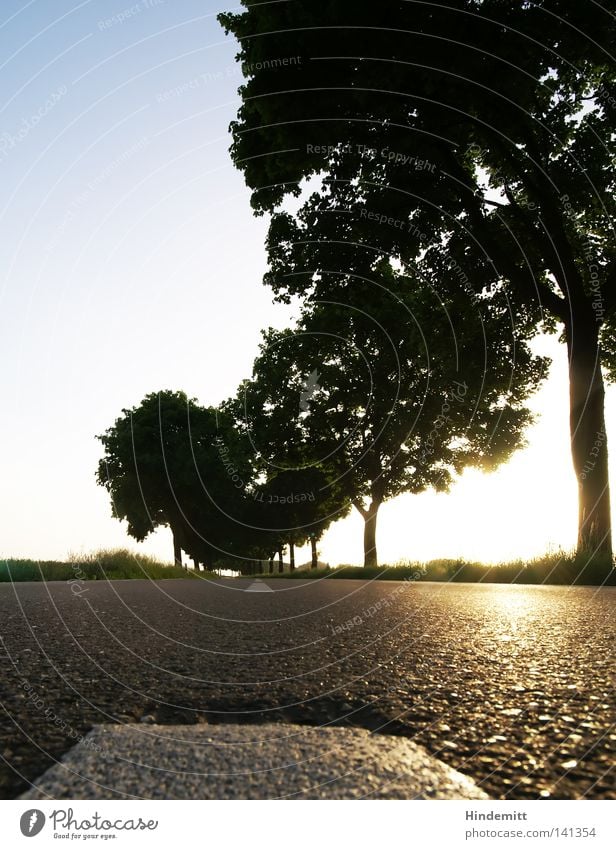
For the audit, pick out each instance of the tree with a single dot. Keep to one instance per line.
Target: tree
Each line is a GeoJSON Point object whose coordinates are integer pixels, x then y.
{"type": "Point", "coordinates": [297, 505]}
{"type": "Point", "coordinates": [390, 391]}
{"type": "Point", "coordinates": [288, 503]}
{"type": "Point", "coordinates": [169, 462]}
{"type": "Point", "coordinates": [469, 140]}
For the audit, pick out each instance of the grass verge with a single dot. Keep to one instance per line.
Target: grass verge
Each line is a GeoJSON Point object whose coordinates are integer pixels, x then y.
{"type": "Point", "coordinates": [562, 569]}
{"type": "Point", "coordinates": [119, 564]}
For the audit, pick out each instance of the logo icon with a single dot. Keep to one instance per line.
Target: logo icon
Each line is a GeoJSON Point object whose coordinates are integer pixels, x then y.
{"type": "Point", "coordinates": [309, 387]}
{"type": "Point", "coordinates": [32, 822]}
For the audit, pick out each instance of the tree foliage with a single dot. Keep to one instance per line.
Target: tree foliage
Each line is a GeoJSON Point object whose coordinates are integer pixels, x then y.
{"type": "Point", "coordinates": [390, 391]}
{"type": "Point", "coordinates": [169, 462]}
{"type": "Point", "coordinates": [470, 143]}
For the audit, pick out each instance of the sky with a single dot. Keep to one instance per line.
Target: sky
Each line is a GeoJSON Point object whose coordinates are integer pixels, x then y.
{"type": "Point", "coordinates": [130, 262]}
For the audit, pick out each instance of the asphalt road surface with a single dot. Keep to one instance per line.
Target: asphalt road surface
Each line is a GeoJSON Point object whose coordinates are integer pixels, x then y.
{"type": "Point", "coordinates": [513, 686]}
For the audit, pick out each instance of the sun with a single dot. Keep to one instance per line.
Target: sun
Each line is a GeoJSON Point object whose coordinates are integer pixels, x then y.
{"type": "Point", "coordinates": [526, 508]}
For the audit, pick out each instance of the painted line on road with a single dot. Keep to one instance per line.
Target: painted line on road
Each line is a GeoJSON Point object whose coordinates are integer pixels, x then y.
{"type": "Point", "coordinates": [261, 761]}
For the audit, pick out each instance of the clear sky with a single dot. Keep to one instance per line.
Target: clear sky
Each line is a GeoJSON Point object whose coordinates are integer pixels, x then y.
{"type": "Point", "coordinates": [131, 262]}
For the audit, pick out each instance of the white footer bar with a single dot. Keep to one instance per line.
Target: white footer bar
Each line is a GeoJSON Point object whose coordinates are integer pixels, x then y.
{"type": "Point", "coordinates": [308, 824]}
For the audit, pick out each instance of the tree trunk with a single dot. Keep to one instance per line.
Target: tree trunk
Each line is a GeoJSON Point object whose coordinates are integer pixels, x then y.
{"type": "Point", "coordinates": [588, 437]}
{"type": "Point", "coordinates": [313, 547]}
{"type": "Point", "coordinates": [291, 556]}
{"type": "Point", "coordinates": [177, 550]}
{"type": "Point", "coordinates": [370, 556]}
{"type": "Point", "coordinates": [369, 516]}
{"type": "Point", "coordinates": [280, 562]}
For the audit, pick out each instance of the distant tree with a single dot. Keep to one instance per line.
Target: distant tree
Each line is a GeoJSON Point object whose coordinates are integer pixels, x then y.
{"type": "Point", "coordinates": [472, 141]}
{"type": "Point", "coordinates": [297, 505]}
{"type": "Point", "coordinates": [169, 462]}
{"type": "Point", "coordinates": [390, 391]}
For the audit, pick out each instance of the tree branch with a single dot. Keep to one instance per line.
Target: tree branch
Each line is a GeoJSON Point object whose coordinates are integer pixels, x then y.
{"type": "Point", "coordinates": [360, 508]}
{"type": "Point", "coordinates": [472, 203]}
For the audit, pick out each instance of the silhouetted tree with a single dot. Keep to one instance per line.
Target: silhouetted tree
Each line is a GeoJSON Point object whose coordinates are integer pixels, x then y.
{"type": "Point", "coordinates": [390, 391]}
{"type": "Point", "coordinates": [471, 141]}
{"type": "Point", "coordinates": [169, 462]}
{"type": "Point", "coordinates": [297, 505]}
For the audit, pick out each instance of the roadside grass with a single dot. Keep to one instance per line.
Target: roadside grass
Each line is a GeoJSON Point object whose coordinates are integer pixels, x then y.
{"type": "Point", "coordinates": [561, 568]}
{"type": "Point", "coordinates": [106, 564]}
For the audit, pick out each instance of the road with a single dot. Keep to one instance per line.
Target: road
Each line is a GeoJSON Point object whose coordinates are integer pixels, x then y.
{"type": "Point", "coordinates": [513, 686]}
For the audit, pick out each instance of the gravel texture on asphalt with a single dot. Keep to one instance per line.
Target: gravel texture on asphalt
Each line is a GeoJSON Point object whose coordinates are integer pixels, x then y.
{"type": "Point", "coordinates": [265, 761]}
{"type": "Point", "coordinates": [513, 686]}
